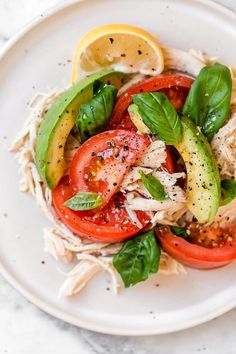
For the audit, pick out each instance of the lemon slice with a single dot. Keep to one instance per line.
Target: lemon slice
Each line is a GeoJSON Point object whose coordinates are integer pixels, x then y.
{"type": "Point", "coordinates": [120, 47]}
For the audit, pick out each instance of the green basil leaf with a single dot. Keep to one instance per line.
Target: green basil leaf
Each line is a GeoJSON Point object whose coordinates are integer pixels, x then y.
{"type": "Point", "coordinates": [138, 258]}
{"type": "Point", "coordinates": [153, 186]}
{"type": "Point", "coordinates": [84, 201]}
{"type": "Point", "coordinates": [228, 191]}
{"type": "Point", "coordinates": [98, 85]}
{"type": "Point", "coordinates": [94, 114]}
{"type": "Point", "coordinates": [179, 231]}
{"type": "Point", "coordinates": [160, 116]}
{"type": "Point", "coordinates": [208, 101]}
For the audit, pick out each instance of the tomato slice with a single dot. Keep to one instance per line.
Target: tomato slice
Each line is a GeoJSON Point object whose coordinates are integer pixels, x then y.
{"type": "Point", "coordinates": [177, 96]}
{"type": "Point", "coordinates": [125, 123]}
{"type": "Point", "coordinates": [100, 164]}
{"type": "Point", "coordinates": [169, 164]}
{"type": "Point", "coordinates": [111, 224]}
{"type": "Point", "coordinates": [196, 256]}
{"type": "Point", "coordinates": [176, 87]}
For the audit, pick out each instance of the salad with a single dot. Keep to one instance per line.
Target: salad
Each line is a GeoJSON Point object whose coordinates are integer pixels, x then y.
{"type": "Point", "coordinates": [135, 162]}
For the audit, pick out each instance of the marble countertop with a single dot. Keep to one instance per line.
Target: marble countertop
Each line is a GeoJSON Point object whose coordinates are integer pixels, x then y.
{"type": "Point", "coordinates": [24, 329]}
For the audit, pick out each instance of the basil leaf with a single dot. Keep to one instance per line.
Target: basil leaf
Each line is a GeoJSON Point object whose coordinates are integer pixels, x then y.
{"type": "Point", "coordinates": [153, 186]}
{"type": "Point", "coordinates": [84, 201]}
{"type": "Point", "coordinates": [138, 258]}
{"type": "Point", "coordinates": [179, 231]}
{"type": "Point", "coordinates": [94, 114]}
{"type": "Point", "coordinates": [208, 101]}
{"type": "Point", "coordinates": [98, 85]}
{"type": "Point", "coordinates": [228, 191]}
{"type": "Point", "coordinates": [160, 116]}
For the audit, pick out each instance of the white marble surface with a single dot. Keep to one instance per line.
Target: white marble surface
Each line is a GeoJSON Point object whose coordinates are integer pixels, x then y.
{"type": "Point", "coordinates": [24, 329]}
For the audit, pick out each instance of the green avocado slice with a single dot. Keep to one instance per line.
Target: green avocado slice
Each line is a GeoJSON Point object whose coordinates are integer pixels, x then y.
{"type": "Point", "coordinates": [58, 122]}
{"type": "Point", "coordinates": [203, 180]}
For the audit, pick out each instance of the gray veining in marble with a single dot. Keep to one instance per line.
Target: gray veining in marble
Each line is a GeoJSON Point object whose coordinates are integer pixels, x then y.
{"type": "Point", "coordinates": [24, 329]}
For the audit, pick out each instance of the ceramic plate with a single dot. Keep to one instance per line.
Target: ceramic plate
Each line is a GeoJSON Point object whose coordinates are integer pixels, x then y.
{"type": "Point", "coordinates": [39, 57]}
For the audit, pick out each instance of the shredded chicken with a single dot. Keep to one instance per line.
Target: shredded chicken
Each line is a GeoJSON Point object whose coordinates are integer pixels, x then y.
{"type": "Point", "coordinates": [89, 266]}
{"type": "Point", "coordinates": [181, 61]}
{"type": "Point", "coordinates": [133, 176]}
{"type": "Point", "coordinates": [133, 216]}
{"type": "Point", "coordinates": [224, 147]}
{"type": "Point", "coordinates": [226, 214]}
{"type": "Point", "coordinates": [169, 266]}
{"type": "Point", "coordinates": [154, 155]}
{"type": "Point", "coordinates": [138, 198]}
{"type": "Point", "coordinates": [168, 179]}
{"type": "Point", "coordinates": [136, 202]}
{"type": "Point", "coordinates": [170, 216]}
{"type": "Point", "coordinates": [23, 146]}
{"type": "Point", "coordinates": [203, 57]}
{"type": "Point", "coordinates": [169, 211]}
{"type": "Point", "coordinates": [56, 245]}
{"type": "Point", "coordinates": [78, 277]}
{"type": "Point", "coordinates": [132, 180]}
{"type": "Point", "coordinates": [63, 248]}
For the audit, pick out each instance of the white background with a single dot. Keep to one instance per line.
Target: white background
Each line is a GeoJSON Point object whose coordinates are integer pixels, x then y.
{"type": "Point", "coordinates": [24, 329]}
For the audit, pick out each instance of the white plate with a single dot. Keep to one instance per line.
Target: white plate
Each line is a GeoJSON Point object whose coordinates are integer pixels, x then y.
{"type": "Point", "coordinates": [37, 58]}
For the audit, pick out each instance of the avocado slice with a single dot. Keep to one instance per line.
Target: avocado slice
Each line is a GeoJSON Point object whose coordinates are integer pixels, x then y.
{"type": "Point", "coordinates": [203, 180]}
{"type": "Point", "coordinates": [137, 119]}
{"type": "Point", "coordinates": [60, 119]}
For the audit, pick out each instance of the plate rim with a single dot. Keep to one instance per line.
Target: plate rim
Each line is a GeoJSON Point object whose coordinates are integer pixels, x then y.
{"type": "Point", "coordinates": [36, 300]}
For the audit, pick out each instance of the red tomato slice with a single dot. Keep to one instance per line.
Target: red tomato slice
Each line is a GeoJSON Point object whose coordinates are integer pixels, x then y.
{"type": "Point", "coordinates": [177, 96]}
{"type": "Point", "coordinates": [126, 123]}
{"type": "Point", "coordinates": [111, 224]}
{"type": "Point", "coordinates": [169, 164]}
{"type": "Point", "coordinates": [196, 256]}
{"type": "Point", "coordinates": [176, 88]}
{"type": "Point", "coordinates": [100, 164]}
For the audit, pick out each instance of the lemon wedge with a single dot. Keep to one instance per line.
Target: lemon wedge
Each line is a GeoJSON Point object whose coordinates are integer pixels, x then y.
{"type": "Point", "coordinates": [117, 46]}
